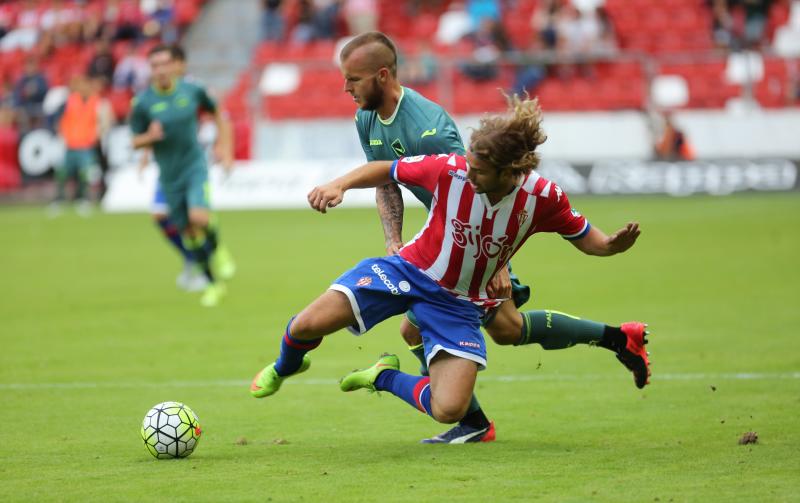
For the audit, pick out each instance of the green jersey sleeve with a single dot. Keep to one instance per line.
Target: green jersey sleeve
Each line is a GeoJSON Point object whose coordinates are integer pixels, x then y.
{"type": "Point", "coordinates": [139, 120]}
{"type": "Point", "coordinates": [446, 140]}
{"type": "Point", "coordinates": [204, 100]}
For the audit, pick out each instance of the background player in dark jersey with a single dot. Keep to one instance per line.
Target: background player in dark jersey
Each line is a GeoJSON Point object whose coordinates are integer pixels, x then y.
{"type": "Point", "coordinates": [395, 121]}
{"type": "Point", "coordinates": [164, 117]}
{"type": "Point", "coordinates": [191, 277]}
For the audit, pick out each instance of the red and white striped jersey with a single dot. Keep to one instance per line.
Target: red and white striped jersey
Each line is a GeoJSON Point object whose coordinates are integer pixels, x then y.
{"type": "Point", "coordinates": [466, 240]}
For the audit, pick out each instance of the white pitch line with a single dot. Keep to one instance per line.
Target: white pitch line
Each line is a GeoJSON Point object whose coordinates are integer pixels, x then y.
{"type": "Point", "coordinates": [230, 383]}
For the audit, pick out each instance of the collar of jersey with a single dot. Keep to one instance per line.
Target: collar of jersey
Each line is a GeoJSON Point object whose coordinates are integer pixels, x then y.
{"type": "Point", "coordinates": [389, 121]}
{"type": "Point", "coordinates": [490, 210]}
{"type": "Point", "coordinates": [169, 91]}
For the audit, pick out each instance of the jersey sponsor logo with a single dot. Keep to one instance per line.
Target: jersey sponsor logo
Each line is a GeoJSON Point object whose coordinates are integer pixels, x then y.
{"type": "Point", "coordinates": [413, 158]}
{"type": "Point", "coordinates": [375, 143]}
{"type": "Point", "coordinates": [457, 176]}
{"type": "Point", "coordinates": [429, 132]}
{"type": "Point", "coordinates": [485, 246]}
{"type": "Point", "coordinates": [398, 148]}
{"type": "Point", "coordinates": [182, 101]}
{"type": "Point", "coordinates": [385, 279]}
{"type": "Point", "coordinates": [364, 281]}
{"type": "Point", "coordinates": [469, 344]}
{"type": "Point", "coordinates": [158, 107]}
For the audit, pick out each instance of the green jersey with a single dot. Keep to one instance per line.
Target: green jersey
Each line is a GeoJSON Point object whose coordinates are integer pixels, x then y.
{"type": "Point", "coordinates": [417, 127]}
{"type": "Point", "coordinates": [179, 153]}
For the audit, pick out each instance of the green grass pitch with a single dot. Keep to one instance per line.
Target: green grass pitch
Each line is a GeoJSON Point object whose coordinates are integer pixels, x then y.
{"type": "Point", "coordinates": [94, 333]}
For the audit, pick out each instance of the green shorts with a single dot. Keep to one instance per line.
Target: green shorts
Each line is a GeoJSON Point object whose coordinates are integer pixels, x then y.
{"type": "Point", "coordinates": [520, 294]}
{"type": "Point", "coordinates": [195, 194]}
{"type": "Point", "coordinates": [78, 162]}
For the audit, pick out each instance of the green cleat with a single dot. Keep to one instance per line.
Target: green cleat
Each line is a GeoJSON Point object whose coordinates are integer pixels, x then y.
{"type": "Point", "coordinates": [268, 382]}
{"type": "Point", "coordinates": [213, 295]}
{"type": "Point", "coordinates": [222, 263]}
{"type": "Point", "coordinates": [365, 378]}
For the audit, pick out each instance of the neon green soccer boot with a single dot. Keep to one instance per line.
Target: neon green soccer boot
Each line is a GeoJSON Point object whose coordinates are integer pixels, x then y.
{"type": "Point", "coordinates": [365, 378]}
{"type": "Point", "coordinates": [268, 382]}
{"type": "Point", "coordinates": [213, 294]}
{"type": "Point", "coordinates": [222, 263]}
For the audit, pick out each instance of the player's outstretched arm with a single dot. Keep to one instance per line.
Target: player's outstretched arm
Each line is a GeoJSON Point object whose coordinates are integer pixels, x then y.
{"type": "Point", "coordinates": [597, 243]}
{"type": "Point", "coordinates": [390, 208]}
{"type": "Point", "coordinates": [372, 174]}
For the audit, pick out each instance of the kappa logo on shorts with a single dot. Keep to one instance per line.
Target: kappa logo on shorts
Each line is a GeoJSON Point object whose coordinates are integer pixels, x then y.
{"type": "Point", "coordinates": [469, 344]}
{"type": "Point", "coordinates": [364, 281]}
{"type": "Point", "coordinates": [386, 281]}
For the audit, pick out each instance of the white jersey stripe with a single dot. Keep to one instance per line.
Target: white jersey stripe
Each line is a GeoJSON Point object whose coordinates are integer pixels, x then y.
{"type": "Point", "coordinates": [439, 267]}
{"type": "Point", "coordinates": [471, 249]}
{"type": "Point", "coordinates": [501, 220]}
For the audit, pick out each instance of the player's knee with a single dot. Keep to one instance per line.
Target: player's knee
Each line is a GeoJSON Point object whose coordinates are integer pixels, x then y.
{"type": "Point", "coordinates": [410, 333]}
{"type": "Point", "coordinates": [448, 411]}
{"type": "Point", "coordinates": [305, 324]}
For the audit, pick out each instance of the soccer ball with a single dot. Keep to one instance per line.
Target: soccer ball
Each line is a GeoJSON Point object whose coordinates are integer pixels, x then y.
{"type": "Point", "coordinates": [171, 430]}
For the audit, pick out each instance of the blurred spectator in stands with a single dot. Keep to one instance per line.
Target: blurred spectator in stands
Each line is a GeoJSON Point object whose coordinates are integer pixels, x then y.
{"type": "Point", "coordinates": [6, 95]}
{"type": "Point", "coordinates": [454, 24]}
{"type": "Point", "coordinates": [582, 37]}
{"type": "Point", "coordinates": [132, 72]}
{"type": "Point", "coordinates": [6, 19]}
{"type": "Point", "coordinates": [126, 17]}
{"type": "Point", "coordinates": [272, 22]}
{"type": "Point", "coordinates": [489, 43]}
{"type": "Point", "coordinates": [419, 69]}
{"type": "Point", "coordinates": [722, 25]}
{"type": "Point", "coordinates": [25, 32]}
{"type": "Point", "coordinates": [102, 63]}
{"type": "Point", "coordinates": [544, 24]}
{"type": "Point", "coordinates": [673, 144]}
{"type": "Point", "coordinates": [29, 93]}
{"type": "Point", "coordinates": [756, 13]}
{"type": "Point", "coordinates": [79, 127]}
{"type": "Point", "coordinates": [326, 17]}
{"type": "Point", "coordinates": [160, 21]}
{"type": "Point", "coordinates": [62, 20]}
{"type": "Point", "coordinates": [479, 10]}
{"type": "Point", "coordinates": [303, 31]}
{"type": "Point", "coordinates": [361, 15]}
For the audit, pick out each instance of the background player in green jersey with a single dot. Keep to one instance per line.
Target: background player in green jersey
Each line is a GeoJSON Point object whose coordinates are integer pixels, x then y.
{"type": "Point", "coordinates": [394, 121]}
{"type": "Point", "coordinates": [164, 118]}
{"type": "Point", "coordinates": [191, 278]}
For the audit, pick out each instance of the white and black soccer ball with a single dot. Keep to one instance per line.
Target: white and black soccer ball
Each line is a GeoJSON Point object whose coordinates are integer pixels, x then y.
{"type": "Point", "coordinates": [171, 430]}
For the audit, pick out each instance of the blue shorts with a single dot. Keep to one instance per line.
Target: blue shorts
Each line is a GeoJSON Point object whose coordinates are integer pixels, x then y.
{"type": "Point", "coordinates": [159, 201]}
{"type": "Point", "coordinates": [379, 288]}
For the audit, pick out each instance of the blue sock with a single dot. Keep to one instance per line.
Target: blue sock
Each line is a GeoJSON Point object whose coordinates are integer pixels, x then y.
{"type": "Point", "coordinates": [414, 390]}
{"type": "Point", "coordinates": [173, 235]}
{"type": "Point", "coordinates": [292, 352]}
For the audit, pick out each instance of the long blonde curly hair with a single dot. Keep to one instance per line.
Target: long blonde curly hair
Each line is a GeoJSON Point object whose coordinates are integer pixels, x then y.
{"type": "Point", "coordinates": [509, 140]}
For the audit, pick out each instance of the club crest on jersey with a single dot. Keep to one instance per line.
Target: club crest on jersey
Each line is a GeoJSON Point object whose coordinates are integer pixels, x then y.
{"type": "Point", "coordinates": [398, 148]}
{"type": "Point", "coordinates": [522, 216]}
{"type": "Point", "coordinates": [364, 281]}
{"type": "Point", "coordinates": [487, 246]}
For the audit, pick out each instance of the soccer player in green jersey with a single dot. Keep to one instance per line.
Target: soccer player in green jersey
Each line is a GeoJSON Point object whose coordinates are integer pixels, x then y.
{"type": "Point", "coordinates": [393, 122]}
{"type": "Point", "coordinates": [164, 118]}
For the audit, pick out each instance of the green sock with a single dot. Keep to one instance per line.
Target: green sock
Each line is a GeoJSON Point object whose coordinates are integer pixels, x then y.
{"type": "Point", "coordinates": [555, 330]}
{"type": "Point", "coordinates": [419, 352]}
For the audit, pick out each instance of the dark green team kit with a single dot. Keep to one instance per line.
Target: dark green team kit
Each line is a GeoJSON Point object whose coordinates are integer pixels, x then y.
{"type": "Point", "coordinates": [418, 127]}
{"type": "Point", "coordinates": [184, 171]}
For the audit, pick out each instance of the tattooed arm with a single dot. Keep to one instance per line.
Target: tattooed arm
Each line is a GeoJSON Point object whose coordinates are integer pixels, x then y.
{"type": "Point", "coordinates": [390, 209]}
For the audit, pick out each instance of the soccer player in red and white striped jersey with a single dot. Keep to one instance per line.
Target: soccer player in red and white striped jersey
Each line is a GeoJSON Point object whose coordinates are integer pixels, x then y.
{"type": "Point", "coordinates": [486, 205]}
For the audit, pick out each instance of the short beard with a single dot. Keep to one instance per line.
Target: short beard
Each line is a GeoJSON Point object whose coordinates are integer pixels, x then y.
{"type": "Point", "coordinates": [374, 99]}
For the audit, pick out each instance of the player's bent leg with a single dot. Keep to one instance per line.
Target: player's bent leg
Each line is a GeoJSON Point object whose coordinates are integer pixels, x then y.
{"type": "Point", "coordinates": [452, 383]}
{"type": "Point", "coordinates": [505, 325]}
{"type": "Point", "coordinates": [327, 314]}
